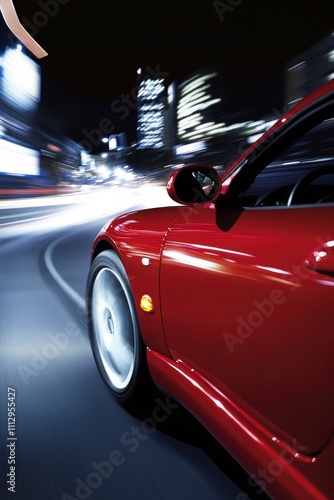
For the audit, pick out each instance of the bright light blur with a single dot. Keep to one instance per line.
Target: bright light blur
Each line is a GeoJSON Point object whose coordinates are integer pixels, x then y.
{"type": "Point", "coordinates": [21, 79]}
{"type": "Point", "coordinates": [104, 172]}
{"type": "Point", "coordinates": [196, 118]}
{"type": "Point", "coordinates": [113, 143]}
{"type": "Point", "coordinates": [70, 210]}
{"type": "Point", "coordinates": [18, 160]}
{"type": "Point", "coordinates": [191, 148]}
{"type": "Point", "coordinates": [122, 173]}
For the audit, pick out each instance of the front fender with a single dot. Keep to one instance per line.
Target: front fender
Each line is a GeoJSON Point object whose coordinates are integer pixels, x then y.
{"type": "Point", "coordinates": [138, 238]}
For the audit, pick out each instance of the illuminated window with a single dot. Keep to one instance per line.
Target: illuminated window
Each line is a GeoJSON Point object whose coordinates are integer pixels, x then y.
{"type": "Point", "coordinates": [151, 109]}
{"type": "Point", "coordinates": [199, 108]}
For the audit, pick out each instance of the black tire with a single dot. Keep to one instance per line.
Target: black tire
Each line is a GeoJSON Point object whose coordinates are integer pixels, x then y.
{"type": "Point", "coordinates": [115, 337]}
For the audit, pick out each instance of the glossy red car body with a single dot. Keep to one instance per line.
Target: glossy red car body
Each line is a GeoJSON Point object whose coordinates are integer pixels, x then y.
{"type": "Point", "coordinates": [242, 328]}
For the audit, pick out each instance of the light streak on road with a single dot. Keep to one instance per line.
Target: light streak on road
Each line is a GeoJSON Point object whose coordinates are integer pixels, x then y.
{"type": "Point", "coordinates": [56, 212]}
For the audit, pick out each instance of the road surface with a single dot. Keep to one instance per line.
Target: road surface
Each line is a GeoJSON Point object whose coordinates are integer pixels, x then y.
{"type": "Point", "coordinates": [70, 439]}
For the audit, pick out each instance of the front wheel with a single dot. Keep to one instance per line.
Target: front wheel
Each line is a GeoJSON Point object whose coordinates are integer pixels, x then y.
{"type": "Point", "coordinates": [115, 338]}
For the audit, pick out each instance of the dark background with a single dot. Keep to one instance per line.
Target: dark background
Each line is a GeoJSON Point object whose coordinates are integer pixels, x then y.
{"type": "Point", "coordinates": [95, 48]}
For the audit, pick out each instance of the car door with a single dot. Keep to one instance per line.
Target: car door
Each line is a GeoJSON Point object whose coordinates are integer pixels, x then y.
{"type": "Point", "coordinates": [247, 297]}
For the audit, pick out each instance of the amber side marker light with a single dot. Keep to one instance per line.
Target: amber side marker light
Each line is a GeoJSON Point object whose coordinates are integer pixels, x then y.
{"type": "Point", "coordinates": [146, 304]}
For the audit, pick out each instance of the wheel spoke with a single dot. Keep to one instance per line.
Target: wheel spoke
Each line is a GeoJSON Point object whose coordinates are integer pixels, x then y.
{"type": "Point", "coordinates": [121, 355]}
{"type": "Point", "coordinates": [113, 328]}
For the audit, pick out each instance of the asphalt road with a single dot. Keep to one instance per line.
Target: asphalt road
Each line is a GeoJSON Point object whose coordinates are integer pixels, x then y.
{"type": "Point", "coordinates": [70, 440]}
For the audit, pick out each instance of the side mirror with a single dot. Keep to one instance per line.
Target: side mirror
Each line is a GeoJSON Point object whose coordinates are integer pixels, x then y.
{"type": "Point", "coordinates": [194, 184]}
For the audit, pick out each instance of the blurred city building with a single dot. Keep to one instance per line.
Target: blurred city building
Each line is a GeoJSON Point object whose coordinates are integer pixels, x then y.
{"type": "Point", "coordinates": [33, 151]}
{"type": "Point", "coordinates": [201, 105]}
{"type": "Point", "coordinates": [185, 117]}
{"type": "Point", "coordinates": [309, 70]}
{"type": "Point", "coordinates": [198, 117]}
{"type": "Point", "coordinates": [151, 105]}
{"type": "Point", "coordinates": [188, 120]}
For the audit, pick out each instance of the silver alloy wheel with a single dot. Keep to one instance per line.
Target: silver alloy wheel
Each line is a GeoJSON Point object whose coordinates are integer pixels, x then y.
{"type": "Point", "coordinates": [113, 323]}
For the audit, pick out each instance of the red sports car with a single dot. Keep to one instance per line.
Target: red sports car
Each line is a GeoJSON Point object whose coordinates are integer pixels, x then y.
{"type": "Point", "coordinates": [227, 301]}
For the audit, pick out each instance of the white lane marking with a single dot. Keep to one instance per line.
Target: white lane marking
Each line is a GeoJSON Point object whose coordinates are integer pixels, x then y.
{"type": "Point", "coordinates": [75, 296]}
{"type": "Point", "coordinates": [151, 201]}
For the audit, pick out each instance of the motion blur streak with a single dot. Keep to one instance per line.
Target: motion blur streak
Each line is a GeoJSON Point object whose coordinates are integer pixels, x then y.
{"type": "Point", "coordinates": [56, 212]}
{"type": "Point", "coordinates": [67, 424]}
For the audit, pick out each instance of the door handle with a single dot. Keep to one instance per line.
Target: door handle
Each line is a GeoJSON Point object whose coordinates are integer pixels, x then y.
{"type": "Point", "coordinates": [321, 259]}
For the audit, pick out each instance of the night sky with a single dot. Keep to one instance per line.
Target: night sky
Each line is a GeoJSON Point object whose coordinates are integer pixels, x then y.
{"type": "Point", "coordinates": [96, 46]}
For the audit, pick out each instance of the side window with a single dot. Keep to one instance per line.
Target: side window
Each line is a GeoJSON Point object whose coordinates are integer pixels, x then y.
{"type": "Point", "coordinates": [302, 174]}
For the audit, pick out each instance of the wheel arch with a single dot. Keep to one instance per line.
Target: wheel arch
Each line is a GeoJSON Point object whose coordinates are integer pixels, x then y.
{"type": "Point", "coordinates": [101, 246]}
{"type": "Point", "coordinates": [150, 325]}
